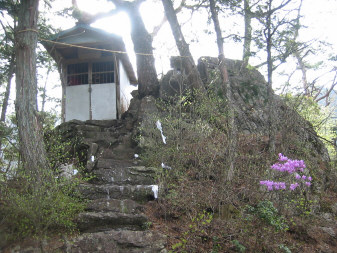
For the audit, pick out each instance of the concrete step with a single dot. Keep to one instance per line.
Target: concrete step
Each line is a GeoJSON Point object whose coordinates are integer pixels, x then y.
{"type": "Point", "coordinates": [133, 175]}
{"type": "Point", "coordinates": [139, 193]}
{"type": "Point", "coordinates": [103, 221]}
{"type": "Point", "coordinates": [118, 241]}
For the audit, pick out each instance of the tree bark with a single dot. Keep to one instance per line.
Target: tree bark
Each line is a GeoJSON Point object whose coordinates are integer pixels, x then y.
{"type": "Point", "coordinates": [232, 130]}
{"type": "Point", "coordinates": [247, 40]}
{"type": "Point", "coordinates": [270, 94]}
{"type": "Point", "coordinates": [303, 69]}
{"type": "Point", "coordinates": [189, 66]}
{"type": "Point", "coordinates": [157, 28]}
{"type": "Point", "coordinates": [146, 71]}
{"type": "Point", "coordinates": [44, 89]}
{"type": "Point", "coordinates": [32, 147]}
{"type": "Point", "coordinates": [10, 75]}
{"type": "Point", "coordinates": [297, 54]}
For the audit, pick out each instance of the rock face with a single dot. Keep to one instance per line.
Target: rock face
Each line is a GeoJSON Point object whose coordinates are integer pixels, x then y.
{"type": "Point", "coordinates": [113, 220]}
{"type": "Point", "coordinates": [249, 90]}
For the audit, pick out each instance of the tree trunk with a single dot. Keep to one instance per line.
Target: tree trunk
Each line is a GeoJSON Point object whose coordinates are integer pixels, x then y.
{"type": "Point", "coordinates": [270, 94]}
{"type": "Point", "coordinates": [32, 148]}
{"type": "Point", "coordinates": [189, 66]}
{"type": "Point", "coordinates": [298, 56]}
{"type": "Point", "coordinates": [303, 69]}
{"type": "Point", "coordinates": [10, 75]}
{"type": "Point", "coordinates": [146, 71]}
{"type": "Point", "coordinates": [232, 131]}
{"type": "Point", "coordinates": [247, 40]}
{"type": "Point", "coordinates": [44, 89]}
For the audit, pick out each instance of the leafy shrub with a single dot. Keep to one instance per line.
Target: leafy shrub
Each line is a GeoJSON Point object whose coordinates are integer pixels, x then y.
{"type": "Point", "coordinates": [318, 116]}
{"type": "Point", "coordinates": [238, 246]}
{"type": "Point", "coordinates": [292, 185]}
{"type": "Point", "coordinates": [284, 248]}
{"type": "Point", "coordinates": [197, 232]}
{"type": "Point", "coordinates": [30, 209]}
{"type": "Point", "coordinates": [266, 211]}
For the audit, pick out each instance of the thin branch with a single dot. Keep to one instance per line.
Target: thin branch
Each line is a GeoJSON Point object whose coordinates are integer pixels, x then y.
{"type": "Point", "coordinates": [157, 28]}
{"type": "Point", "coordinates": [330, 142]}
{"type": "Point", "coordinates": [13, 145]}
{"type": "Point", "coordinates": [327, 94]}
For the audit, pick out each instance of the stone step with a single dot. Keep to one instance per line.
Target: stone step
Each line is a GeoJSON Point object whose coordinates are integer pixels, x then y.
{"type": "Point", "coordinates": [88, 128]}
{"type": "Point", "coordinates": [140, 193]}
{"type": "Point", "coordinates": [118, 241]}
{"type": "Point", "coordinates": [107, 142]}
{"type": "Point", "coordinates": [100, 135]}
{"type": "Point", "coordinates": [103, 221]}
{"type": "Point", "coordinates": [114, 163]}
{"type": "Point", "coordinates": [127, 206]}
{"type": "Point", "coordinates": [115, 152]}
{"type": "Point", "coordinates": [109, 163]}
{"type": "Point", "coordinates": [134, 175]}
{"type": "Point", "coordinates": [104, 123]}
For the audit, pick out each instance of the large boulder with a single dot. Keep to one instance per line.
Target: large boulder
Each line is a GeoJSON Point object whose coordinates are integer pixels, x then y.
{"type": "Point", "coordinates": [249, 90]}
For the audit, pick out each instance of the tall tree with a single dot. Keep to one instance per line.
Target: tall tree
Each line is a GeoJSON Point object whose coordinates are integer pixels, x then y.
{"type": "Point", "coordinates": [247, 38]}
{"type": "Point", "coordinates": [32, 148]}
{"type": "Point", "coordinates": [232, 130]}
{"type": "Point", "coordinates": [302, 50]}
{"type": "Point", "coordinates": [275, 31]}
{"type": "Point", "coordinates": [189, 66]}
{"type": "Point", "coordinates": [7, 52]}
{"type": "Point", "coordinates": [142, 41]}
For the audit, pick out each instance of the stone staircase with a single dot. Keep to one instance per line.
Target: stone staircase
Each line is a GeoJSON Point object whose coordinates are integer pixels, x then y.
{"type": "Point", "coordinates": [114, 220]}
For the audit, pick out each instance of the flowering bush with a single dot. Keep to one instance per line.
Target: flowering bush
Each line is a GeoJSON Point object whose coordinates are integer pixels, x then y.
{"type": "Point", "coordinates": [292, 167]}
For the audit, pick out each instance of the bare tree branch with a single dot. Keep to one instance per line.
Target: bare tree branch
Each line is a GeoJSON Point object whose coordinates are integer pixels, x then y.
{"type": "Point", "coordinates": [157, 28]}
{"type": "Point", "coordinates": [327, 94]}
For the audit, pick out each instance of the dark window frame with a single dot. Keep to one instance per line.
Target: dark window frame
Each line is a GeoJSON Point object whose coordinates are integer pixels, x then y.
{"type": "Point", "coordinates": [98, 72]}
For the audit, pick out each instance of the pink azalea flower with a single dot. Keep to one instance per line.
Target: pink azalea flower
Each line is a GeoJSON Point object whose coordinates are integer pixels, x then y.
{"type": "Point", "coordinates": [292, 187]}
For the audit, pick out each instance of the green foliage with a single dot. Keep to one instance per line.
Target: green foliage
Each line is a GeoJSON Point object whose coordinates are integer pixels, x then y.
{"type": "Point", "coordinates": [238, 246]}
{"type": "Point", "coordinates": [48, 120]}
{"type": "Point", "coordinates": [9, 147]}
{"type": "Point", "coordinates": [197, 232]}
{"type": "Point", "coordinates": [266, 211]}
{"type": "Point", "coordinates": [31, 209]}
{"type": "Point", "coordinates": [319, 117]}
{"type": "Point", "coordinates": [63, 150]}
{"type": "Point", "coordinates": [302, 205]}
{"type": "Point", "coordinates": [147, 225]}
{"type": "Point", "coordinates": [284, 248]}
